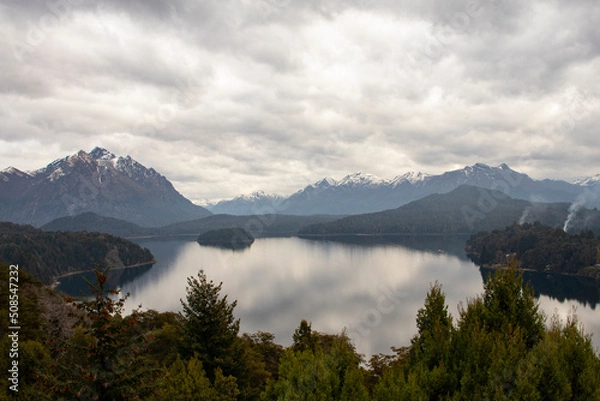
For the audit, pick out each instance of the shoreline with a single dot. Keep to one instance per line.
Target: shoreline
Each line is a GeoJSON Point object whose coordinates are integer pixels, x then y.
{"type": "Point", "coordinates": [549, 272]}
{"type": "Point", "coordinates": [56, 282]}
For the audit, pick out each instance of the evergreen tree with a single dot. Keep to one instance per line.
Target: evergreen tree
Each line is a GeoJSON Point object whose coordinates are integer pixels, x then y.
{"type": "Point", "coordinates": [427, 376]}
{"type": "Point", "coordinates": [508, 304]}
{"type": "Point", "coordinates": [210, 326]}
{"type": "Point", "coordinates": [434, 325]}
{"type": "Point", "coordinates": [329, 372]}
{"type": "Point", "coordinates": [303, 337]}
{"type": "Point", "coordinates": [188, 382]}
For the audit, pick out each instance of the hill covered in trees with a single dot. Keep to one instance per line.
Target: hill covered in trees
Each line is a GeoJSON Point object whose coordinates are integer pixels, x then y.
{"type": "Point", "coordinates": [257, 225]}
{"type": "Point", "coordinates": [538, 247]}
{"type": "Point", "coordinates": [47, 255]}
{"type": "Point", "coordinates": [233, 238]}
{"type": "Point", "coordinates": [465, 210]}
{"type": "Point", "coordinates": [95, 223]}
{"type": "Point", "coordinates": [501, 347]}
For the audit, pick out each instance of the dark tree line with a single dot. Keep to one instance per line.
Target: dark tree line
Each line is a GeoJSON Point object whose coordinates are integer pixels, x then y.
{"type": "Point", "coordinates": [49, 254]}
{"type": "Point", "coordinates": [537, 247]}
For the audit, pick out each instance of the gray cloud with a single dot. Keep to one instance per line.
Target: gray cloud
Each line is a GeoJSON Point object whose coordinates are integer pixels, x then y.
{"type": "Point", "coordinates": [233, 96]}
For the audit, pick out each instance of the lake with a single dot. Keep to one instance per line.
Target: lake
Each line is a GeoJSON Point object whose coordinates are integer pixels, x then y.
{"type": "Point", "coordinates": [370, 286]}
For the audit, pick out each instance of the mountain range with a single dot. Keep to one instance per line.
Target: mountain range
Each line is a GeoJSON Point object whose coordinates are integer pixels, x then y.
{"type": "Point", "coordinates": [122, 188]}
{"type": "Point", "coordinates": [97, 182]}
{"type": "Point", "coordinates": [364, 193]}
{"type": "Point", "coordinates": [465, 210]}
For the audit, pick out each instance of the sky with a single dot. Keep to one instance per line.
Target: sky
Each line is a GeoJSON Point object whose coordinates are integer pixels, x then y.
{"type": "Point", "coordinates": [227, 97]}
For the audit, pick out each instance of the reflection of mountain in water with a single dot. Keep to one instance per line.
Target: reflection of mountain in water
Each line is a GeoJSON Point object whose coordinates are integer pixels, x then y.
{"type": "Point", "coordinates": [560, 287]}
{"type": "Point", "coordinates": [449, 244]}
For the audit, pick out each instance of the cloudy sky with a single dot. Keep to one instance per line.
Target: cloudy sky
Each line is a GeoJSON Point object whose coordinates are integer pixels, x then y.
{"type": "Point", "coordinates": [231, 96]}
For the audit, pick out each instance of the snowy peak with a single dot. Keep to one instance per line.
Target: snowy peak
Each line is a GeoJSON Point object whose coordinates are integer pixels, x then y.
{"type": "Point", "coordinates": [256, 196]}
{"type": "Point", "coordinates": [97, 182]}
{"type": "Point", "coordinates": [477, 167]}
{"type": "Point", "coordinates": [14, 171]}
{"type": "Point", "coordinates": [588, 181]}
{"type": "Point", "coordinates": [325, 183]}
{"type": "Point", "coordinates": [255, 203]}
{"type": "Point", "coordinates": [411, 177]}
{"type": "Point", "coordinates": [360, 180]}
{"type": "Point", "coordinates": [101, 162]}
{"type": "Point", "coordinates": [101, 154]}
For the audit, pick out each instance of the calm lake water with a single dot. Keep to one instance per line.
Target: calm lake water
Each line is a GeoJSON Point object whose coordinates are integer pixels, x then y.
{"type": "Point", "coordinates": [371, 287]}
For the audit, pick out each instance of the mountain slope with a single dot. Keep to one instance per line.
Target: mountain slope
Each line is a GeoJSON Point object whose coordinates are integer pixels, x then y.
{"type": "Point", "coordinates": [255, 203]}
{"type": "Point", "coordinates": [364, 193]}
{"type": "Point", "coordinates": [258, 225]}
{"type": "Point", "coordinates": [98, 182]}
{"type": "Point", "coordinates": [92, 222]}
{"type": "Point", "coordinates": [467, 209]}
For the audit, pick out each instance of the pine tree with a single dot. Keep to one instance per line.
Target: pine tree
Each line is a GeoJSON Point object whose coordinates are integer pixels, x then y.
{"type": "Point", "coordinates": [210, 326]}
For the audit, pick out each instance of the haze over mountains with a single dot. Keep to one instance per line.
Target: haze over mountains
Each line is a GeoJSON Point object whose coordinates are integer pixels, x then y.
{"type": "Point", "coordinates": [119, 187]}
{"type": "Point", "coordinates": [464, 210]}
{"type": "Point", "coordinates": [364, 193]}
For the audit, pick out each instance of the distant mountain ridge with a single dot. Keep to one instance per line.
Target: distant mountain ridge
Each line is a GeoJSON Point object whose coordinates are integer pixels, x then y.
{"type": "Point", "coordinates": [360, 193]}
{"type": "Point", "coordinates": [258, 225]}
{"type": "Point", "coordinates": [465, 210]}
{"type": "Point", "coordinates": [98, 182]}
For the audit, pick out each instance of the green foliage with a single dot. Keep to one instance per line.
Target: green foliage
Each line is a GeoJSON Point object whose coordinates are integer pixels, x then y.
{"type": "Point", "coordinates": [210, 327]}
{"type": "Point", "coordinates": [188, 382]}
{"type": "Point", "coordinates": [303, 337]}
{"type": "Point", "coordinates": [459, 211]}
{"type": "Point", "coordinates": [499, 349]}
{"type": "Point", "coordinates": [328, 371]}
{"type": "Point", "coordinates": [508, 305]}
{"type": "Point", "coordinates": [537, 247]}
{"type": "Point", "coordinates": [264, 344]}
{"type": "Point", "coordinates": [114, 367]}
{"type": "Point", "coordinates": [434, 324]}
{"type": "Point", "coordinates": [48, 255]}
{"type": "Point", "coordinates": [233, 238]}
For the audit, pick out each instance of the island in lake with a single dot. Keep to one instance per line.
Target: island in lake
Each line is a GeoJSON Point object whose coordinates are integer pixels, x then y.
{"type": "Point", "coordinates": [231, 238]}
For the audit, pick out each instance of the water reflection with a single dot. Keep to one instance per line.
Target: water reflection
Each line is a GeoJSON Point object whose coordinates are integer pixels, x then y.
{"type": "Point", "coordinates": [451, 244]}
{"type": "Point", "coordinates": [78, 285]}
{"type": "Point", "coordinates": [560, 287]}
{"type": "Point", "coordinates": [372, 289]}
{"type": "Point", "coordinates": [165, 251]}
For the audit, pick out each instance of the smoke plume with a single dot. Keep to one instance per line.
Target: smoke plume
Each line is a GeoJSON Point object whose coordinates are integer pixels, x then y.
{"type": "Point", "coordinates": [586, 199]}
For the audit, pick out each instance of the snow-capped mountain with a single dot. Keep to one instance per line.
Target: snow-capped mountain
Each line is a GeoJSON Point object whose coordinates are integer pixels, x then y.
{"type": "Point", "coordinates": [255, 203]}
{"type": "Point", "coordinates": [98, 182]}
{"type": "Point", "coordinates": [364, 193]}
{"type": "Point", "coordinates": [412, 177]}
{"type": "Point", "coordinates": [588, 181]}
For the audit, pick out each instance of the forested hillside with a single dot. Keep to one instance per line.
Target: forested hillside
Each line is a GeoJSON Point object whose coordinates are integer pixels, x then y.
{"type": "Point", "coordinates": [465, 210]}
{"type": "Point", "coordinates": [46, 255]}
{"type": "Point", "coordinates": [233, 238]}
{"type": "Point", "coordinates": [537, 247]}
{"type": "Point", "coordinates": [257, 225]}
{"type": "Point", "coordinates": [499, 347]}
